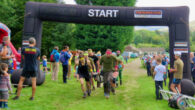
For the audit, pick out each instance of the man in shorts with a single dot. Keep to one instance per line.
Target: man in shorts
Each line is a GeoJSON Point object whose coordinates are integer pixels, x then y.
{"type": "Point", "coordinates": [177, 73]}
{"type": "Point", "coordinates": [30, 56]}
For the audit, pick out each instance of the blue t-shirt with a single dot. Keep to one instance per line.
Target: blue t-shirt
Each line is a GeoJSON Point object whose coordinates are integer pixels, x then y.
{"type": "Point", "coordinates": [30, 58]}
{"type": "Point", "coordinates": [159, 69]}
{"type": "Point", "coordinates": [45, 63]}
{"type": "Point", "coordinates": [154, 63]}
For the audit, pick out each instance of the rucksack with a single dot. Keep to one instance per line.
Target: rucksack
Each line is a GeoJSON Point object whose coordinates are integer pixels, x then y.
{"type": "Point", "coordinates": [52, 59]}
{"type": "Point", "coordinates": [62, 57]}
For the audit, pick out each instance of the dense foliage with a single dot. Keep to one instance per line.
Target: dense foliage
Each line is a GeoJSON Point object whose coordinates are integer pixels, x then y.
{"type": "Point", "coordinates": [146, 38]}
{"type": "Point", "coordinates": [102, 37]}
{"type": "Point", "coordinates": [60, 34]}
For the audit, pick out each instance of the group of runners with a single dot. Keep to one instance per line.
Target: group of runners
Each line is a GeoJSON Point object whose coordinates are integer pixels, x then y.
{"type": "Point", "coordinates": [89, 67]}
{"type": "Point", "coordinates": [157, 67]}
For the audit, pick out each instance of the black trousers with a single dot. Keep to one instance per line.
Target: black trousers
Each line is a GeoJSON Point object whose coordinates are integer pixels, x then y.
{"type": "Point", "coordinates": [65, 72]}
{"type": "Point", "coordinates": [149, 71]}
{"type": "Point", "coordinates": [193, 76]}
{"type": "Point", "coordinates": [157, 84]}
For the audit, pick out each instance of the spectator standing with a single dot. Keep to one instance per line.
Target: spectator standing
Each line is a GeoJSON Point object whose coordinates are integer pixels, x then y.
{"type": "Point", "coordinates": [54, 58]}
{"type": "Point", "coordinates": [30, 54]}
{"type": "Point", "coordinates": [177, 72]}
{"type": "Point", "coordinates": [159, 71]}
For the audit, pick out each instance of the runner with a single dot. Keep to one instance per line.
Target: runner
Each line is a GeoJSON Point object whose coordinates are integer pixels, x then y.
{"type": "Point", "coordinates": [91, 69]}
{"type": "Point", "coordinates": [120, 66]}
{"type": "Point", "coordinates": [98, 70]}
{"type": "Point", "coordinates": [83, 70]}
{"type": "Point", "coordinates": [108, 61]}
{"type": "Point", "coordinates": [70, 66]}
{"type": "Point", "coordinates": [177, 72]}
{"type": "Point", "coordinates": [95, 67]}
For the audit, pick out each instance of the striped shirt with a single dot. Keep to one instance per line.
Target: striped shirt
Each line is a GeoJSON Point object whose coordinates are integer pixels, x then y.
{"type": "Point", "coordinates": [5, 84]}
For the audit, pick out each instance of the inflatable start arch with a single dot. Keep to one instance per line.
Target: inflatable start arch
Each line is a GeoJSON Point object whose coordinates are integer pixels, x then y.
{"type": "Point", "coordinates": [176, 18]}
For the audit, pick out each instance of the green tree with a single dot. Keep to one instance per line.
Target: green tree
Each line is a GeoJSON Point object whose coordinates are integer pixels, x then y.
{"type": "Point", "coordinates": [100, 37]}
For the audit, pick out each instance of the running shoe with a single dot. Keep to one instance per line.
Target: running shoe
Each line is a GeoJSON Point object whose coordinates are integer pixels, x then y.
{"type": "Point", "coordinates": [107, 96]}
{"type": "Point", "coordinates": [16, 98]}
{"type": "Point", "coordinates": [84, 95]}
{"type": "Point", "coordinates": [89, 93]}
{"type": "Point", "coordinates": [31, 98]}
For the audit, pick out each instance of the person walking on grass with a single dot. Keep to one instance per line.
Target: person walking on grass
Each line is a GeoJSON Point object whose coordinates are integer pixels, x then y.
{"type": "Point", "coordinates": [54, 58]}
{"type": "Point", "coordinates": [177, 73]}
{"type": "Point", "coordinates": [120, 66]}
{"type": "Point", "coordinates": [5, 85]}
{"type": "Point", "coordinates": [108, 61]}
{"type": "Point", "coordinates": [95, 65]}
{"type": "Point", "coordinates": [91, 71]}
{"type": "Point", "coordinates": [159, 71]}
{"type": "Point", "coordinates": [30, 55]}
{"type": "Point", "coordinates": [66, 55]}
{"type": "Point", "coordinates": [84, 67]}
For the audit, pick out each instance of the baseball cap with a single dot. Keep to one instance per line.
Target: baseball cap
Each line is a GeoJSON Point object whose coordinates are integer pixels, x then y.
{"type": "Point", "coordinates": [108, 52]}
{"type": "Point", "coordinates": [177, 54]}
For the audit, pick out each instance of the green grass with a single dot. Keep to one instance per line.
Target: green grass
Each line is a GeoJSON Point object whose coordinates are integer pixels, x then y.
{"type": "Point", "coordinates": [58, 96]}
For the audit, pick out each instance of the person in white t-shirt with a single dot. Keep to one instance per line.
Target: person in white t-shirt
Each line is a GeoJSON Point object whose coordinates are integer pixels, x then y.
{"type": "Point", "coordinates": [159, 71]}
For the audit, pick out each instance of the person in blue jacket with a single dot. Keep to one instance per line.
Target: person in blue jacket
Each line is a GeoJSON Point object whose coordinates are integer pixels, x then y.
{"type": "Point", "coordinates": [66, 55]}
{"type": "Point", "coordinates": [55, 63]}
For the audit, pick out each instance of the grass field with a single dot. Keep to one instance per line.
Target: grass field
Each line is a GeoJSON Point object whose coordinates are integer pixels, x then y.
{"type": "Point", "coordinates": [137, 93]}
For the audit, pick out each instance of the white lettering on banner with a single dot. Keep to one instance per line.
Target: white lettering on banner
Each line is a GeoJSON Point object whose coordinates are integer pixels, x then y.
{"type": "Point", "coordinates": [102, 13]}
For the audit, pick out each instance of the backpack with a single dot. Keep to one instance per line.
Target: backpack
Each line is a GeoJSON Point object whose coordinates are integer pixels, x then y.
{"type": "Point", "coordinates": [62, 57]}
{"type": "Point", "coordinates": [52, 59]}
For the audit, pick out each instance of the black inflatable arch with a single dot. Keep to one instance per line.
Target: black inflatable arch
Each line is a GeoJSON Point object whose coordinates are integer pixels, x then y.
{"type": "Point", "coordinates": [176, 18]}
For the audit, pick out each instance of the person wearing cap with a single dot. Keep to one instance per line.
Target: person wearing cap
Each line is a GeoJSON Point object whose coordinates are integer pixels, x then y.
{"type": "Point", "coordinates": [177, 72]}
{"type": "Point", "coordinates": [108, 61]}
{"type": "Point", "coordinates": [120, 66]}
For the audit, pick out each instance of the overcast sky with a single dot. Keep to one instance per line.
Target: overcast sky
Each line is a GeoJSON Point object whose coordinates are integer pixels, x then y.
{"type": "Point", "coordinates": [156, 3]}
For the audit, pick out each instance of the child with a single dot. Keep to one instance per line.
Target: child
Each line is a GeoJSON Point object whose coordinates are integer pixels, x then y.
{"type": "Point", "coordinates": [44, 63]}
{"type": "Point", "coordinates": [4, 85]}
{"type": "Point", "coordinates": [159, 71]}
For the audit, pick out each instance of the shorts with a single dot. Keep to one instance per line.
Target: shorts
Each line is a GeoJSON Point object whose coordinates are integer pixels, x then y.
{"type": "Point", "coordinates": [28, 74]}
{"type": "Point", "coordinates": [87, 77]}
{"type": "Point", "coordinates": [114, 80]}
{"type": "Point", "coordinates": [4, 95]}
{"type": "Point", "coordinates": [176, 81]}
